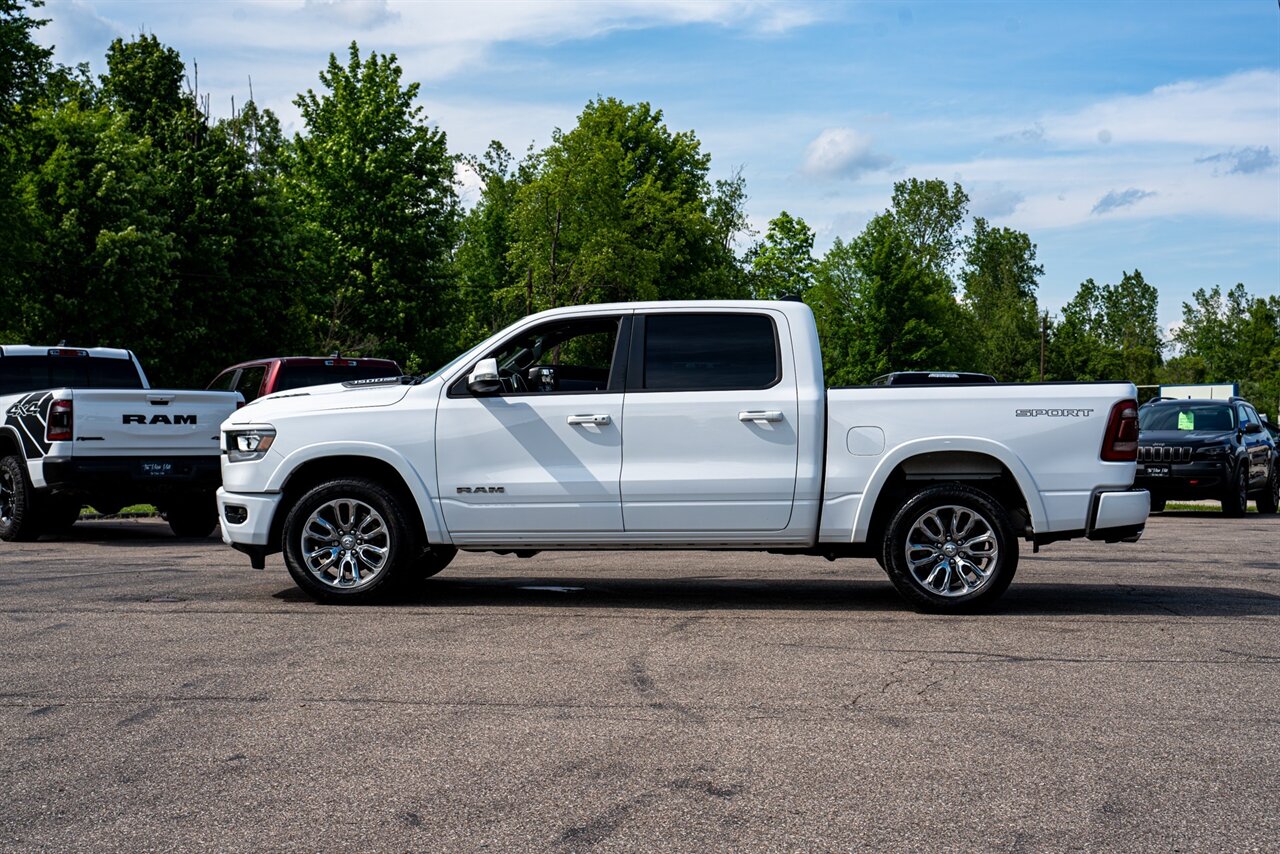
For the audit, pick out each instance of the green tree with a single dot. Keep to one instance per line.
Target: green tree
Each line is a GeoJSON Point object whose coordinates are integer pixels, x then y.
{"type": "Point", "coordinates": [1000, 279]}
{"type": "Point", "coordinates": [881, 307]}
{"type": "Point", "coordinates": [373, 183]}
{"type": "Point", "coordinates": [783, 262]}
{"type": "Point", "coordinates": [1109, 332]}
{"type": "Point", "coordinates": [621, 208]}
{"type": "Point", "coordinates": [1231, 337]}
{"type": "Point", "coordinates": [931, 216]}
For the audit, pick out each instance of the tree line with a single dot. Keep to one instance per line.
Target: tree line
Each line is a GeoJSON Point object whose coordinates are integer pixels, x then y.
{"type": "Point", "coordinates": [137, 219]}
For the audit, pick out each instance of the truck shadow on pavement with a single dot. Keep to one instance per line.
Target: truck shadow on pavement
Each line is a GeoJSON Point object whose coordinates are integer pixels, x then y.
{"type": "Point", "coordinates": [701, 594]}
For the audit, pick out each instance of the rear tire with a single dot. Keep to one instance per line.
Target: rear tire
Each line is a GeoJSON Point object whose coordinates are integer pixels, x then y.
{"type": "Point", "coordinates": [19, 506]}
{"type": "Point", "coordinates": [347, 541]}
{"type": "Point", "coordinates": [1270, 497]}
{"type": "Point", "coordinates": [950, 548]}
{"type": "Point", "coordinates": [1157, 504]}
{"type": "Point", "coordinates": [194, 518]}
{"type": "Point", "coordinates": [1236, 499]}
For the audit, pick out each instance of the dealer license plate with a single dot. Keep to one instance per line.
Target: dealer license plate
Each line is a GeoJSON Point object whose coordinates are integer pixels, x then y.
{"type": "Point", "coordinates": [156, 469]}
{"type": "Point", "coordinates": [1157, 471]}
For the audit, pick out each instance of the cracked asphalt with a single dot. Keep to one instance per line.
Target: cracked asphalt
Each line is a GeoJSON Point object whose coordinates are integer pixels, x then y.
{"type": "Point", "coordinates": [159, 695]}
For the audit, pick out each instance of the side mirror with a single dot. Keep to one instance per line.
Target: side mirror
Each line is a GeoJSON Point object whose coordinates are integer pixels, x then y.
{"type": "Point", "coordinates": [1252, 428]}
{"type": "Point", "coordinates": [484, 378]}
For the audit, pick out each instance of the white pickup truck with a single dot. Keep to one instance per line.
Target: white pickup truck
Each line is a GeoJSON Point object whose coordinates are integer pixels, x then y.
{"type": "Point", "coordinates": [687, 425]}
{"type": "Point", "coordinates": [82, 426]}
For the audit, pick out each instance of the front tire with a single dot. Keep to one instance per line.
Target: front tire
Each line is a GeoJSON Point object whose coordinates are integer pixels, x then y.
{"type": "Point", "coordinates": [1236, 499]}
{"type": "Point", "coordinates": [19, 514]}
{"type": "Point", "coordinates": [950, 548]}
{"type": "Point", "coordinates": [347, 541]}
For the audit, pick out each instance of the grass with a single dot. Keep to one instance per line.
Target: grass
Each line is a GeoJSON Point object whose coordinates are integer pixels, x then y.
{"type": "Point", "coordinates": [1211, 507]}
{"type": "Point", "coordinates": [132, 508]}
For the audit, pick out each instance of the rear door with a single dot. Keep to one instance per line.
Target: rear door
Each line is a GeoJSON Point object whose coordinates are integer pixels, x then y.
{"type": "Point", "coordinates": [711, 412]}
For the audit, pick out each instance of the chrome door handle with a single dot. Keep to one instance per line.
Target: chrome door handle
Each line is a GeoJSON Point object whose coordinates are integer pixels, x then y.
{"type": "Point", "coordinates": [598, 420]}
{"type": "Point", "coordinates": [769, 415]}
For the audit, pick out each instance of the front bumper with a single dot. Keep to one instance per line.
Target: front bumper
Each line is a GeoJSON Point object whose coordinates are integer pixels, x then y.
{"type": "Point", "coordinates": [1201, 479]}
{"type": "Point", "coordinates": [247, 518]}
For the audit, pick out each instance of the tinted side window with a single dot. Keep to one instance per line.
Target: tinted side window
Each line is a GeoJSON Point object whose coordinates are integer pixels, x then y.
{"type": "Point", "coordinates": [696, 352]}
{"type": "Point", "coordinates": [223, 382]}
{"type": "Point", "coordinates": [250, 381]}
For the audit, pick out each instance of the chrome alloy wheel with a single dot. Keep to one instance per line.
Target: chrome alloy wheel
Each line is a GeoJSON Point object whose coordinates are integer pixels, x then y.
{"type": "Point", "coordinates": [345, 543]}
{"type": "Point", "coordinates": [951, 550]}
{"type": "Point", "coordinates": [8, 495]}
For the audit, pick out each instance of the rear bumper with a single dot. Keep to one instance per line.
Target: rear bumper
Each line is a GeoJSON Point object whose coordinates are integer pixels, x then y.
{"type": "Point", "coordinates": [132, 476]}
{"type": "Point", "coordinates": [1120, 516]}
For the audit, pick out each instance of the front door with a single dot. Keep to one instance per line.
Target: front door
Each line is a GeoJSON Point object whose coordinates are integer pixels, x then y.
{"type": "Point", "coordinates": [541, 458]}
{"type": "Point", "coordinates": [711, 441]}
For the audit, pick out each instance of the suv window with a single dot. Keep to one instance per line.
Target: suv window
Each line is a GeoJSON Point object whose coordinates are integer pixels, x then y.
{"type": "Point", "coordinates": [707, 352]}
{"type": "Point", "coordinates": [250, 381]}
{"type": "Point", "coordinates": [1246, 414]}
{"type": "Point", "coordinates": [223, 382]}
{"type": "Point", "coordinates": [33, 373]}
{"type": "Point", "coordinates": [1187, 416]}
{"type": "Point", "coordinates": [566, 356]}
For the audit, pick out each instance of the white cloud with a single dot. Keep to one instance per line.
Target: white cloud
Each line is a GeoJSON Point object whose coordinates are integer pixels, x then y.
{"type": "Point", "coordinates": [842, 153]}
{"type": "Point", "coordinates": [1115, 200]}
{"type": "Point", "coordinates": [1244, 161]}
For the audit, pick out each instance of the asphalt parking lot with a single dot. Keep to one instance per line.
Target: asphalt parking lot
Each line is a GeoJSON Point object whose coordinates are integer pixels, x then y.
{"type": "Point", "coordinates": [160, 695]}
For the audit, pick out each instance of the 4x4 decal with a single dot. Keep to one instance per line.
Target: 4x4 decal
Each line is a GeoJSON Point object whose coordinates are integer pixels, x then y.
{"type": "Point", "coordinates": [27, 418]}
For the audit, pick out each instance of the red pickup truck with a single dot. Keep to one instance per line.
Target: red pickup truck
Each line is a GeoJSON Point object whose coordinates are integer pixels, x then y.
{"type": "Point", "coordinates": [265, 376]}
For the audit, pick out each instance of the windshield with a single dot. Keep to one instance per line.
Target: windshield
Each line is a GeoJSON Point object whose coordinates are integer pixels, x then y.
{"type": "Point", "coordinates": [300, 375]}
{"type": "Point", "coordinates": [1187, 416]}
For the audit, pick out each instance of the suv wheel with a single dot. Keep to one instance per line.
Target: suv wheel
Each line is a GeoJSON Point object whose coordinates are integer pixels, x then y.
{"type": "Point", "coordinates": [194, 518]}
{"type": "Point", "coordinates": [1236, 498]}
{"type": "Point", "coordinates": [950, 548]}
{"type": "Point", "coordinates": [1270, 497]}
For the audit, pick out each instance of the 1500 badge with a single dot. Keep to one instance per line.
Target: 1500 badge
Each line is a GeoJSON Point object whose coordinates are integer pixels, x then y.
{"type": "Point", "coordinates": [1053, 413]}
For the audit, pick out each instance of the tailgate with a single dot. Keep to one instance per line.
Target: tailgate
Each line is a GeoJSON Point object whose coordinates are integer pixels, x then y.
{"type": "Point", "coordinates": [120, 422]}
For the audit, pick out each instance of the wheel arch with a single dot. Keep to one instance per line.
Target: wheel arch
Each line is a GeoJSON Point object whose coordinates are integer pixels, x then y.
{"type": "Point", "coordinates": [980, 463]}
{"type": "Point", "coordinates": [386, 468]}
{"type": "Point", "coordinates": [10, 444]}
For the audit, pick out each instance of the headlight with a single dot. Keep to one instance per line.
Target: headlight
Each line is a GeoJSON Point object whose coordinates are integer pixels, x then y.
{"type": "Point", "coordinates": [1212, 452]}
{"type": "Point", "coordinates": [247, 445]}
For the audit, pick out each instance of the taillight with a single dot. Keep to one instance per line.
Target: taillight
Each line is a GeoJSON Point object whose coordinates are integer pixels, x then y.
{"type": "Point", "coordinates": [59, 427]}
{"type": "Point", "coordinates": [1120, 443]}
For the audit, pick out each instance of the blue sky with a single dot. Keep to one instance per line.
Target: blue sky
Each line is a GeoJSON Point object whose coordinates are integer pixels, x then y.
{"type": "Point", "coordinates": [1117, 135]}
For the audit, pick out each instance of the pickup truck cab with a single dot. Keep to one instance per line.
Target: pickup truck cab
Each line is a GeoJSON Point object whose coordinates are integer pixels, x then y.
{"type": "Point", "coordinates": [82, 426]}
{"type": "Point", "coordinates": [281, 373]}
{"type": "Point", "coordinates": [675, 425]}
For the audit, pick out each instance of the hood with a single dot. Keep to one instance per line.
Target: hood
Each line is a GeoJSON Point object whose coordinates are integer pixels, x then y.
{"type": "Point", "coordinates": [321, 398]}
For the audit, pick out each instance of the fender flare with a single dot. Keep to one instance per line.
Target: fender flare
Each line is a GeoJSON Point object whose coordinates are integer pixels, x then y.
{"type": "Point", "coordinates": [970, 444]}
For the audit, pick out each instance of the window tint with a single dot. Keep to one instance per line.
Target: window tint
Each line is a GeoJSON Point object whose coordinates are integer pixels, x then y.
{"type": "Point", "coordinates": [317, 373]}
{"type": "Point", "coordinates": [686, 352]}
{"type": "Point", "coordinates": [1247, 416]}
{"type": "Point", "coordinates": [33, 373]}
{"type": "Point", "coordinates": [250, 381]}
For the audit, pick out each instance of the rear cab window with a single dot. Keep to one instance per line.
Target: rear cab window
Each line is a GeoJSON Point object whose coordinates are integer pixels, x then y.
{"type": "Point", "coordinates": [33, 373]}
{"type": "Point", "coordinates": [302, 374]}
